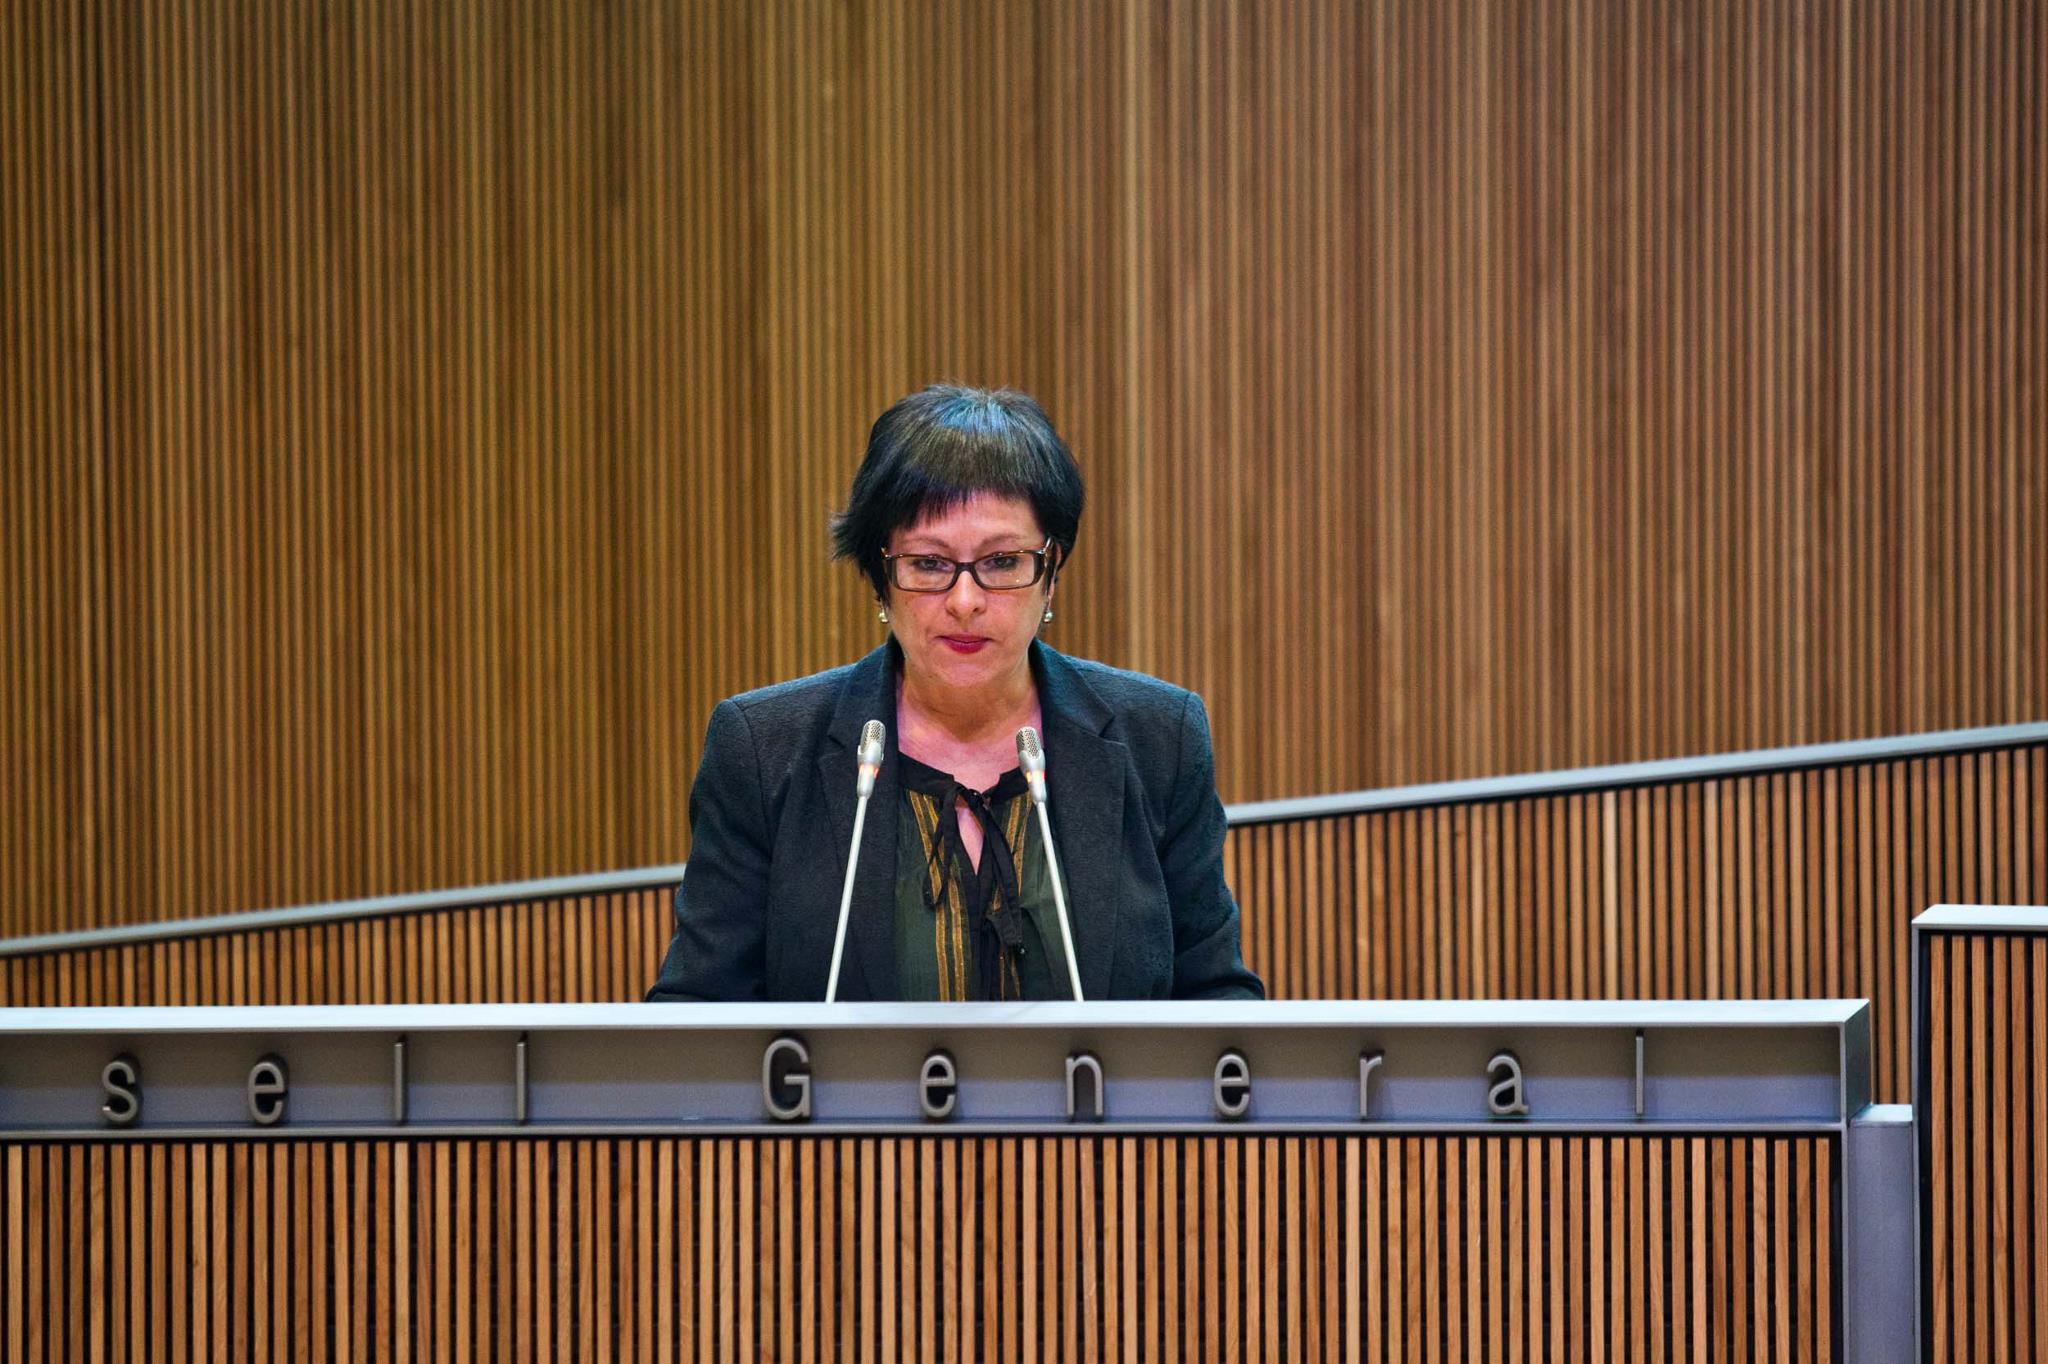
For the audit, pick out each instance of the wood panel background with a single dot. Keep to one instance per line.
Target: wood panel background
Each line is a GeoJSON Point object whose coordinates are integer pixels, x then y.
{"type": "Point", "coordinates": [413, 419]}
{"type": "Point", "coordinates": [1298, 1249]}
{"type": "Point", "coordinates": [1985, 1196]}
{"type": "Point", "coordinates": [1795, 884]}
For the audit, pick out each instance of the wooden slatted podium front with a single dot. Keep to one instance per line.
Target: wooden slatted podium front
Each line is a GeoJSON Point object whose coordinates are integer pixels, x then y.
{"type": "Point", "coordinates": [1980, 1028]}
{"type": "Point", "coordinates": [693, 1182]}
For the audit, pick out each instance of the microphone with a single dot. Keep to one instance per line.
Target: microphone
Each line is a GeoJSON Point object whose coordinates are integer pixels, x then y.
{"type": "Point", "coordinates": [869, 756]}
{"type": "Point", "coordinates": [1031, 757]}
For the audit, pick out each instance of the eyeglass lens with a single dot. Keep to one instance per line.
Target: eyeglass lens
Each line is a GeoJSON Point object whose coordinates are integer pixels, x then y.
{"type": "Point", "coordinates": [996, 572]}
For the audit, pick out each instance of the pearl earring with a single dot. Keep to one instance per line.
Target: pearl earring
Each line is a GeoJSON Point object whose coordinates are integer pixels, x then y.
{"type": "Point", "coordinates": [1047, 618]}
{"type": "Point", "coordinates": [883, 615]}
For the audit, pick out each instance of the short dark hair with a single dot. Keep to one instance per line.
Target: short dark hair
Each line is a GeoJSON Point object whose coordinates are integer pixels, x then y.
{"type": "Point", "coordinates": [939, 447]}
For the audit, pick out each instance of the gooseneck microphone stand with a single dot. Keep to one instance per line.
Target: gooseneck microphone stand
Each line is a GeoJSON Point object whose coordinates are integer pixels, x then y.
{"type": "Point", "coordinates": [1031, 757]}
{"type": "Point", "coordinates": [870, 758]}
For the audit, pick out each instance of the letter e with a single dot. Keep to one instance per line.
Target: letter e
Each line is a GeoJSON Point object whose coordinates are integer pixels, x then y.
{"type": "Point", "coordinates": [938, 1087]}
{"type": "Point", "coordinates": [1233, 1085]}
{"type": "Point", "coordinates": [267, 1086]}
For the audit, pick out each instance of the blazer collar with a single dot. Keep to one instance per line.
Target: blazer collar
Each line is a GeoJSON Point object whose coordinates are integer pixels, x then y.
{"type": "Point", "coordinates": [1085, 770]}
{"type": "Point", "coordinates": [1085, 766]}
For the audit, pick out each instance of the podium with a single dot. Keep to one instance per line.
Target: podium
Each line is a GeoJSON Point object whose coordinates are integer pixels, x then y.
{"type": "Point", "coordinates": [1311, 1180]}
{"type": "Point", "coordinates": [631, 1214]}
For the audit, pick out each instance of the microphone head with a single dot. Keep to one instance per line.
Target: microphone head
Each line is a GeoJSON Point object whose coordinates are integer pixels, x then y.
{"type": "Point", "coordinates": [1030, 754]}
{"type": "Point", "coordinates": [869, 756]}
{"type": "Point", "coordinates": [872, 736]}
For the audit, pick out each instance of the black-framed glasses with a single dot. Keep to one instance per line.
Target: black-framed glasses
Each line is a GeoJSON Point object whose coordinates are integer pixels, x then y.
{"type": "Point", "coordinates": [1004, 571]}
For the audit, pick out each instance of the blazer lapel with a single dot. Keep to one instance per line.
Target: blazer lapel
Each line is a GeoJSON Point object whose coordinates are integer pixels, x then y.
{"type": "Point", "coordinates": [869, 968]}
{"type": "Point", "coordinates": [1085, 798]}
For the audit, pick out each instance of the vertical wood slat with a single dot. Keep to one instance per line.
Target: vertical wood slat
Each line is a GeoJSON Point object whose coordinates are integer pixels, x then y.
{"type": "Point", "coordinates": [1701, 895]}
{"type": "Point", "coordinates": [392, 430]}
{"type": "Point", "coordinates": [1986, 1220]}
{"type": "Point", "coordinates": [334, 1203]}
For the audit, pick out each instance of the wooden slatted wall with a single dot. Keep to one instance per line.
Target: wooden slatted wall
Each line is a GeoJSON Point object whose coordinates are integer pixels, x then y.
{"type": "Point", "coordinates": [1778, 885]}
{"type": "Point", "coordinates": [413, 418]}
{"type": "Point", "coordinates": [580, 949]}
{"type": "Point", "coordinates": [1795, 884]}
{"type": "Point", "coordinates": [1297, 1249]}
{"type": "Point", "coordinates": [1985, 1231]}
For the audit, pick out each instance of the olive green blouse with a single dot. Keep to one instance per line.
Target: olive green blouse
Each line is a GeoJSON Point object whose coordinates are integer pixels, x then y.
{"type": "Point", "coordinates": [965, 932]}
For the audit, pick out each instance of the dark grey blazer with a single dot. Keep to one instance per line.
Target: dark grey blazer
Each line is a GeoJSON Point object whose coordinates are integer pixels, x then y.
{"type": "Point", "coordinates": [1131, 794]}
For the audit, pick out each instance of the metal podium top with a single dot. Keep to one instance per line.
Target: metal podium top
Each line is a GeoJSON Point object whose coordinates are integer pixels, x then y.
{"type": "Point", "coordinates": [1263, 1016]}
{"type": "Point", "coordinates": [1409, 1066]}
{"type": "Point", "coordinates": [1982, 919]}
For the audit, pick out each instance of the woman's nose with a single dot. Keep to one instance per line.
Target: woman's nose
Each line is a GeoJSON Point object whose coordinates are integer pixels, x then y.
{"type": "Point", "coordinates": [966, 596]}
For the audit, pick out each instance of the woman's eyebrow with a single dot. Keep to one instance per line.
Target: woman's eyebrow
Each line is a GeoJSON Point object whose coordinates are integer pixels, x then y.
{"type": "Point", "coordinates": [914, 544]}
{"type": "Point", "coordinates": [923, 544]}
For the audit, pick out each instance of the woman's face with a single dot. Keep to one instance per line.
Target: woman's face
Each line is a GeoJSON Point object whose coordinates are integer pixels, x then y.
{"type": "Point", "coordinates": [969, 637]}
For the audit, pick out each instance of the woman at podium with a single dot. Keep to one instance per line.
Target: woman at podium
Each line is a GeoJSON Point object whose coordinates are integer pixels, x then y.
{"type": "Point", "coordinates": [962, 516]}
